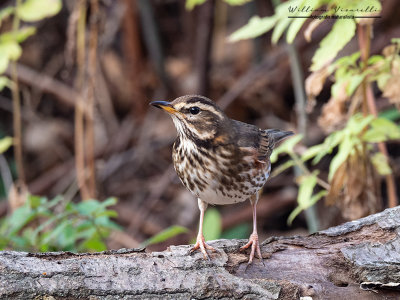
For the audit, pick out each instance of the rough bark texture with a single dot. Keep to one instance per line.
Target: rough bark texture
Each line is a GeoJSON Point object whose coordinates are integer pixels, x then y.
{"type": "Point", "coordinates": [327, 265]}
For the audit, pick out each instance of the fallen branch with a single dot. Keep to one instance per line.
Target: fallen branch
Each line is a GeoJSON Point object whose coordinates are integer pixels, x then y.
{"type": "Point", "coordinates": [327, 265]}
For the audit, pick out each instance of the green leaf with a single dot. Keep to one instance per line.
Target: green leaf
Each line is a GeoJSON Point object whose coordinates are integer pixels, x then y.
{"type": "Point", "coordinates": [396, 41]}
{"type": "Point", "coordinates": [312, 152]}
{"type": "Point", "coordinates": [280, 29]}
{"type": "Point", "coordinates": [282, 14]}
{"type": "Point", "coordinates": [83, 225]}
{"type": "Point", "coordinates": [357, 123]}
{"type": "Point", "coordinates": [190, 4]}
{"type": "Point", "coordinates": [109, 202]}
{"type": "Point", "coordinates": [86, 234]}
{"type": "Point", "coordinates": [67, 237]}
{"type": "Point", "coordinates": [88, 207]}
{"type": "Point", "coordinates": [294, 214]}
{"type": "Point", "coordinates": [381, 130]}
{"type": "Point", "coordinates": [294, 29]}
{"type": "Point", "coordinates": [348, 60]}
{"type": "Point", "coordinates": [4, 81]}
{"type": "Point", "coordinates": [55, 232]}
{"type": "Point", "coordinates": [164, 235]}
{"type": "Point", "coordinates": [6, 12]}
{"type": "Point", "coordinates": [307, 184]}
{"type": "Point", "coordinates": [355, 81]}
{"type": "Point", "coordinates": [107, 213]}
{"type": "Point", "coordinates": [342, 32]}
{"type": "Point", "coordinates": [3, 62]}
{"type": "Point", "coordinates": [331, 141]}
{"type": "Point", "coordinates": [314, 199]}
{"type": "Point", "coordinates": [345, 148]}
{"type": "Point", "coordinates": [382, 80]}
{"type": "Point", "coordinates": [282, 167]}
{"type": "Point", "coordinates": [255, 27]}
{"type": "Point", "coordinates": [36, 10]}
{"type": "Point", "coordinates": [34, 201]}
{"type": "Point", "coordinates": [380, 163]}
{"type": "Point", "coordinates": [391, 114]}
{"type": "Point", "coordinates": [305, 197]}
{"type": "Point", "coordinates": [22, 242]}
{"type": "Point", "coordinates": [106, 223]}
{"type": "Point", "coordinates": [53, 202]}
{"type": "Point", "coordinates": [297, 23]}
{"type": "Point", "coordinates": [52, 219]}
{"type": "Point", "coordinates": [241, 231]}
{"type": "Point", "coordinates": [363, 4]}
{"type": "Point", "coordinates": [387, 127]}
{"type": "Point", "coordinates": [287, 146]}
{"type": "Point", "coordinates": [374, 136]}
{"type": "Point", "coordinates": [20, 217]}
{"type": "Point", "coordinates": [212, 224]}
{"type": "Point", "coordinates": [10, 50]}
{"type": "Point", "coordinates": [374, 59]}
{"type": "Point", "coordinates": [237, 2]}
{"type": "Point", "coordinates": [18, 36]}
{"type": "Point", "coordinates": [95, 244]}
{"type": "Point", "coordinates": [5, 143]}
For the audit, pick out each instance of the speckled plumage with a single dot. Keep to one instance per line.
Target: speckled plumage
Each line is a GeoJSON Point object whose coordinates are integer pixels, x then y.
{"type": "Point", "coordinates": [220, 160]}
{"type": "Point", "coordinates": [228, 166]}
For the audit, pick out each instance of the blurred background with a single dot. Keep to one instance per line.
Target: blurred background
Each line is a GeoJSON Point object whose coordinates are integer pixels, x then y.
{"type": "Point", "coordinates": [77, 77]}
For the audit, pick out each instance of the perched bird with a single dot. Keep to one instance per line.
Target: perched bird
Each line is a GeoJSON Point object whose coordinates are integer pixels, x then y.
{"type": "Point", "coordinates": [220, 160]}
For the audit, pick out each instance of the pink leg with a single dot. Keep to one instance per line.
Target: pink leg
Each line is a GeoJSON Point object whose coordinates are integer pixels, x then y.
{"type": "Point", "coordinates": [200, 243]}
{"type": "Point", "coordinates": [253, 239]}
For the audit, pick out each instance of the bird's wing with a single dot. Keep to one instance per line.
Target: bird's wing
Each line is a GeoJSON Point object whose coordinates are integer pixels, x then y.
{"type": "Point", "coordinates": [263, 141]}
{"type": "Point", "coordinates": [267, 144]}
{"type": "Point", "coordinates": [251, 137]}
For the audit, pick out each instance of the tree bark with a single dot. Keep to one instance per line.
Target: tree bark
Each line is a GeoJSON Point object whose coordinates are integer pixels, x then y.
{"type": "Point", "coordinates": [356, 260]}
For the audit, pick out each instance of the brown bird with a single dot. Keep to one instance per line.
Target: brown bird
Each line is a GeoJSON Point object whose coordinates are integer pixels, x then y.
{"type": "Point", "coordinates": [220, 160]}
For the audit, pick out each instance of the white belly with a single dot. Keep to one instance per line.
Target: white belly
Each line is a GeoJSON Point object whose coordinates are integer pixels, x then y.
{"type": "Point", "coordinates": [213, 194]}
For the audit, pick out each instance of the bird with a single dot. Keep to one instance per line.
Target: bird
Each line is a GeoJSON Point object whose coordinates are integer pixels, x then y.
{"type": "Point", "coordinates": [220, 160]}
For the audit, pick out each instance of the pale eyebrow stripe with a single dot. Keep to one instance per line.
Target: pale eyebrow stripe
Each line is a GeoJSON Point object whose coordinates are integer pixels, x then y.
{"type": "Point", "coordinates": [204, 105]}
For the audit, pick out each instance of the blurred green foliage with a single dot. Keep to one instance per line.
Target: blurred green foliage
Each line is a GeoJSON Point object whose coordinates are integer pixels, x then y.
{"type": "Point", "coordinates": [286, 18]}
{"type": "Point", "coordinates": [356, 139]}
{"type": "Point", "coordinates": [348, 141]}
{"type": "Point", "coordinates": [27, 11]}
{"type": "Point", "coordinates": [164, 235]}
{"type": "Point", "coordinates": [190, 4]}
{"type": "Point", "coordinates": [241, 231]}
{"type": "Point", "coordinates": [58, 225]}
{"type": "Point", "coordinates": [36, 10]}
{"type": "Point", "coordinates": [5, 143]}
{"type": "Point", "coordinates": [212, 224]}
{"type": "Point", "coordinates": [213, 227]}
{"type": "Point", "coordinates": [212, 230]}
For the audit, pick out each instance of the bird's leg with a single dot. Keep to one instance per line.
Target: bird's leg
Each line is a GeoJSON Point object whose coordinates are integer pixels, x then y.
{"type": "Point", "coordinates": [253, 239]}
{"type": "Point", "coordinates": [200, 243]}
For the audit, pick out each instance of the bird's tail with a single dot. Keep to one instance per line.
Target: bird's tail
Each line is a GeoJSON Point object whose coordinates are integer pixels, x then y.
{"type": "Point", "coordinates": [278, 135]}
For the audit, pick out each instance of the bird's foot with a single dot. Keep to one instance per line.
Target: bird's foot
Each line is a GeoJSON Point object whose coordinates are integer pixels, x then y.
{"type": "Point", "coordinates": [203, 246]}
{"type": "Point", "coordinates": [255, 247]}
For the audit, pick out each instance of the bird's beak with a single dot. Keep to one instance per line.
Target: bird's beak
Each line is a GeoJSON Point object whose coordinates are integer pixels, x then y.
{"type": "Point", "coordinates": [165, 106]}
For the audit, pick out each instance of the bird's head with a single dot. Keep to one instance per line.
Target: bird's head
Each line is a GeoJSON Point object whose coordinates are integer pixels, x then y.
{"type": "Point", "coordinates": [195, 117]}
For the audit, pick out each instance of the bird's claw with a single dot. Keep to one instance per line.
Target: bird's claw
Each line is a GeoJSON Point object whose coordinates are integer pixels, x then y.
{"type": "Point", "coordinates": [203, 246]}
{"type": "Point", "coordinates": [255, 247]}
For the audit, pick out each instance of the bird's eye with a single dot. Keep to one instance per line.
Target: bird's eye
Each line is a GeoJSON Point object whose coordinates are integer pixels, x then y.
{"type": "Point", "coordinates": [194, 110]}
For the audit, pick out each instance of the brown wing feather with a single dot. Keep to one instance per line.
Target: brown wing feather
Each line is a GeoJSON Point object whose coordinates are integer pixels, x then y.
{"type": "Point", "coordinates": [263, 141]}
{"type": "Point", "coordinates": [267, 144]}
